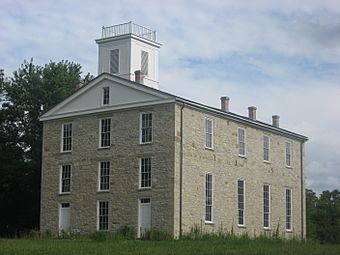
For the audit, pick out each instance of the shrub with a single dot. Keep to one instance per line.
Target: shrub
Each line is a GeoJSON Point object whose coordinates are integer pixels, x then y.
{"type": "Point", "coordinates": [127, 232]}
{"type": "Point", "coordinates": [99, 236]}
{"type": "Point", "coordinates": [156, 235]}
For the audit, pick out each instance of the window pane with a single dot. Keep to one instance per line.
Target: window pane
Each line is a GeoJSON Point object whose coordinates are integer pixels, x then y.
{"type": "Point", "coordinates": [67, 137]}
{"type": "Point", "coordinates": [103, 216]}
{"type": "Point", "coordinates": [145, 172]}
{"type": "Point", "coordinates": [105, 134]}
{"type": "Point", "coordinates": [240, 191]}
{"type": "Point", "coordinates": [288, 209]}
{"type": "Point", "coordinates": [66, 178]}
{"type": "Point", "coordinates": [208, 197]}
{"type": "Point", "coordinates": [241, 141]}
{"type": "Point", "coordinates": [266, 206]}
{"type": "Point", "coordinates": [104, 175]}
{"type": "Point", "coordinates": [146, 128]}
{"type": "Point", "coordinates": [288, 154]}
{"type": "Point", "coordinates": [266, 148]}
{"type": "Point", "coordinates": [106, 95]}
{"type": "Point", "coordinates": [208, 133]}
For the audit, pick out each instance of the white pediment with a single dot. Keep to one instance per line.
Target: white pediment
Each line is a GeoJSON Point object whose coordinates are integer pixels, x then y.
{"type": "Point", "coordinates": [123, 94]}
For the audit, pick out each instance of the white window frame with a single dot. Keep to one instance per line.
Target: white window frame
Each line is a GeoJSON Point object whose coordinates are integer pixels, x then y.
{"type": "Point", "coordinates": [266, 148]}
{"type": "Point", "coordinates": [207, 134]}
{"type": "Point", "coordinates": [244, 203]}
{"type": "Point", "coordinates": [291, 210]}
{"type": "Point", "coordinates": [269, 204]}
{"type": "Point", "coordinates": [100, 133]}
{"type": "Point", "coordinates": [141, 128]}
{"type": "Point", "coordinates": [98, 215]}
{"type": "Point", "coordinates": [104, 103]}
{"type": "Point", "coordinates": [244, 142]}
{"type": "Point", "coordinates": [61, 179]}
{"type": "Point", "coordinates": [62, 137]}
{"type": "Point", "coordinates": [140, 174]}
{"type": "Point", "coordinates": [100, 175]}
{"type": "Point", "coordinates": [205, 198]}
{"type": "Point", "coordinates": [290, 154]}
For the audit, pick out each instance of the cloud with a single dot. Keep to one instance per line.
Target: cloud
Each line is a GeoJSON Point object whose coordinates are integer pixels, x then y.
{"type": "Point", "coordinates": [282, 56]}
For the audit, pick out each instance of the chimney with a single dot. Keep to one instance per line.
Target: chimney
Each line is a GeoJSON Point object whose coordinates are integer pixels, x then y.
{"type": "Point", "coordinates": [276, 120]}
{"type": "Point", "coordinates": [139, 77]}
{"type": "Point", "coordinates": [225, 104]}
{"type": "Point", "coordinates": [252, 112]}
{"type": "Point", "coordinates": [80, 84]}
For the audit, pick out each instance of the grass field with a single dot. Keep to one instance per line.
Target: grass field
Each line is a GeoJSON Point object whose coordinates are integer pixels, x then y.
{"type": "Point", "coordinates": [135, 247]}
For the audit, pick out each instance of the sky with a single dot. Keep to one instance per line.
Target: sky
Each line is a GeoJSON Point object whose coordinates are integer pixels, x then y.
{"type": "Point", "coordinates": [281, 56]}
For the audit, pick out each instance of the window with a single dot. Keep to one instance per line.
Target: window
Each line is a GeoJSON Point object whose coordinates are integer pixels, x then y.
{"type": "Point", "coordinates": [114, 61]}
{"type": "Point", "coordinates": [266, 146]}
{"type": "Point", "coordinates": [103, 215]}
{"type": "Point", "coordinates": [106, 95]}
{"type": "Point", "coordinates": [105, 133]}
{"type": "Point", "coordinates": [241, 142]}
{"type": "Point", "coordinates": [146, 127]}
{"type": "Point", "coordinates": [104, 176]}
{"type": "Point", "coordinates": [209, 143]}
{"type": "Point", "coordinates": [65, 179]}
{"type": "Point", "coordinates": [67, 137]}
{"type": "Point", "coordinates": [288, 209]}
{"type": "Point", "coordinates": [241, 202]}
{"type": "Point", "coordinates": [144, 62]}
{"type": "Point", "coordinates": [288, 154]}
{"type": "Point", "coordinates": [208, 197]}
{"type": "Point", "coordinates": [266, 206]}
{"type": "Point", "coordinates": [145, 173]}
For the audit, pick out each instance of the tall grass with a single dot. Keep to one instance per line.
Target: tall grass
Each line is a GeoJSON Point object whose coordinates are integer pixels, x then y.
{"type": "Point", "coordinates": [160, 242]}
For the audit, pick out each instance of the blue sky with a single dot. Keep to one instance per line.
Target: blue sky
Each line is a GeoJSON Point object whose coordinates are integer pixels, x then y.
{"type": "Point", "coordinates": [281, 56]}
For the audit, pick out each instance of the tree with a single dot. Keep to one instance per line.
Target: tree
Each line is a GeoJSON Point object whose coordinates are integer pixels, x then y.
{"type": "Point", "coordinates": [311, 203]}
{"type": "Point", "coordinates": [323, 216]}
{"type": "Point", "coordinates": [23, 96]}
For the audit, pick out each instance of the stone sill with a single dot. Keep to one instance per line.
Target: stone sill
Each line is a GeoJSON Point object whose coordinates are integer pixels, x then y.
{"type": "Point", "coordinates": [209, 149]}
{"type": "Point", "coordinates": [145, 143]}
{"type": "Point", "coordinates": [65, 152]}
{"type": "Point", "coordinates": [64, 193]}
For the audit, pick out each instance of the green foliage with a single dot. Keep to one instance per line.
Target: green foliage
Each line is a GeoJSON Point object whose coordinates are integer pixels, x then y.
{"type": "Point", "coordinates": [21, 137]}
{"type": "Point", "coordinates": [99, 236]}
{"type": "Point", "coordinates": [156, 235]}
{"type": "Point", "coordinates": [127, 232]}
{"type": "Point", "coordinates": [323, 216]}
{"type": "Point", "coordinates": [183, 247]}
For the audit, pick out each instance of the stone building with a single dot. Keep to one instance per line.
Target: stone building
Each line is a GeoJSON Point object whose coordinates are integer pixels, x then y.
{"type": "Point", "coordinates": [120, 152]}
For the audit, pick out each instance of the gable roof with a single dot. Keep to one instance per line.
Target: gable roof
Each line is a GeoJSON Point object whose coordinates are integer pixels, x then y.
{"type": "Point", "coordinates": [124, 93]}
{"type": "Point", "coordinates": [87, 100]}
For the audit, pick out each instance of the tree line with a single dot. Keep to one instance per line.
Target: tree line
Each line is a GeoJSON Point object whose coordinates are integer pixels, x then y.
{"type": "Point", "coordinates": [24, 97]}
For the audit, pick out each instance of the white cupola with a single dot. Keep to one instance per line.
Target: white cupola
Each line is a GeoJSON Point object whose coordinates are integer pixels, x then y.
{"type": "Point", "coordinates": [127, 48]}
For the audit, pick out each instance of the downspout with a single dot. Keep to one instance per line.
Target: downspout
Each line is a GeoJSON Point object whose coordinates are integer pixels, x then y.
{"type": "Point", "coordinates": [181, 174]}
{"type": "Point", "coordinates": [302, 191]}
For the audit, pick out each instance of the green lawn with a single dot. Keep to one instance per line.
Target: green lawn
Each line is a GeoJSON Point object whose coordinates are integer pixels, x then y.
{"type": "Point", "coordinates": [86, 246]}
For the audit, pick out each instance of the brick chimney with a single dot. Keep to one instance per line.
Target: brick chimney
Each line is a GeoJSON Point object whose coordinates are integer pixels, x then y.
{"type": "Point", "coordinates": [276, 120]}
{"type": "Point", "coordinates": [80, 84]}
{"type": "Point", "coordinates": [225, 104]}
{"type": "Point", "coordinates": [139, 77]}
{"type": "Point", "coordinates": [252, 112]}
